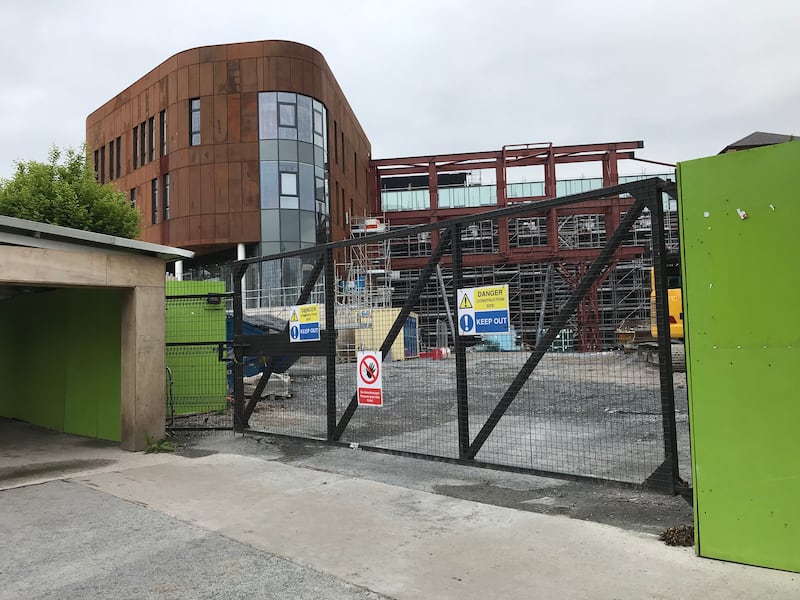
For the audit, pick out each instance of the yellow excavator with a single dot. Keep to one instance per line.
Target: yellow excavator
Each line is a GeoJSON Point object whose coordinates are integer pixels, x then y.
{"type": "Point", "coordinates": [674, 298]}
{"type": "Point", "coordinates": [674, 307]}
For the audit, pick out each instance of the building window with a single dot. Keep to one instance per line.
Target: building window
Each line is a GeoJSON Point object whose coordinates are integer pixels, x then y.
{"type": "Point", "coordinates": [111, 161]}
{"type": "Point", "coordinates": [154, 196]}
{"type": "Point", "coordinates": [162, 127]}
{"type": "Point", "coordinates": [165, 195]}
{"type": "Point", "coordinates": [119, 157]}
{"type": "Point", "coordinates": [133, 197]}
{"type": "Point", "coordinates": [287, 115]}
{"type": "Point", "coordinates": [319, 128]}
{"type": "Point", "coordinates": [102, 164]}
{"type": "Point", "coordinates": [143, 143]}
{"type": "Point", "coordinates": [335, 145]}
{"type": "Point", "coordinates": [151, 131]}
{"type": "Point", "coordinates": [288, 184]}
{"type": "Point", "coordinates": [136, 147]}
{"type": "Point", "coordinates": [355, 168]}
{"type": "Point", "coordinates": [97, 165]}
{"type": "Point", "coordinates": [194, 122]}
{"type": "Point", "coordinates": [343, 152]}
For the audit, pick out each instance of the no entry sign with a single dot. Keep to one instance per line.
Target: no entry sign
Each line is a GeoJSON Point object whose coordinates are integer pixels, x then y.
{"type": "Point", "coordinates": [369, 378]}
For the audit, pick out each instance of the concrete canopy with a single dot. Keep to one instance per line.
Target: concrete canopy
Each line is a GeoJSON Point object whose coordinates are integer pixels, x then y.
{"type": "Point", "coordinates": [34, 256]}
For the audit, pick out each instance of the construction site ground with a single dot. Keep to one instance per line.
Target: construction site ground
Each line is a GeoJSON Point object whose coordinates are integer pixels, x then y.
{"type": "Point", "coordinates": [591, 414]}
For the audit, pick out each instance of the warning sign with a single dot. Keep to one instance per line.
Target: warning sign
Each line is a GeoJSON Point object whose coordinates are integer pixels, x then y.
{"type": "Point", "coordinates": [304, 323]}
{"type": "Point", "coordinates": [369, 379]}
{"type": "Point", "coordinates": [483, 310]}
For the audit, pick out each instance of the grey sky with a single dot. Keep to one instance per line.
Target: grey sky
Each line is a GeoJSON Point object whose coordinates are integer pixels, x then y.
{"type": "Point", "coordinates": [685, 76]}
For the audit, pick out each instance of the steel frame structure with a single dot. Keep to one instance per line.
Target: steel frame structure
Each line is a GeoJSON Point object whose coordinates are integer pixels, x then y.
{"type": "Point", "coordinates": [567, 259]}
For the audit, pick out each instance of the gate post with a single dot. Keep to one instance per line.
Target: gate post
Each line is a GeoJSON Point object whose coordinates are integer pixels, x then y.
{"type": "Point", "coordinates": [462, 397]}
{"type": "Point", "coordinates": [670, 466]}
{"type": "Point", "coordinates": [238, 353]}
{"type": "Point", "coordinates": [330, 355]}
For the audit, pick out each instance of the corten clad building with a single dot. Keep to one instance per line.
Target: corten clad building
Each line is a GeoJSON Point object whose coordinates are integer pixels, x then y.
{"type": "Point", "coordinates": [237, 149]}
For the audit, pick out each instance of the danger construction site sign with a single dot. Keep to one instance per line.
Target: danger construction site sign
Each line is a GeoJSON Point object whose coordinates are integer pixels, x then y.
{"type": "Point", "coordinates": [483, 310]}
{"type": "Point", "coordinates": [304, 323]}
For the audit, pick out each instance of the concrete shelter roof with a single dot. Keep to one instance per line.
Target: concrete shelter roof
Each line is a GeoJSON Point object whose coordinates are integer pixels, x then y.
{"type": "Point", "coordinates": [20, 232]}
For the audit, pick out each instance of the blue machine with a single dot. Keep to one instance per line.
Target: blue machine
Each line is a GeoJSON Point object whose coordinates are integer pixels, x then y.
{"type": "Point", "coordinates": [260, 325]}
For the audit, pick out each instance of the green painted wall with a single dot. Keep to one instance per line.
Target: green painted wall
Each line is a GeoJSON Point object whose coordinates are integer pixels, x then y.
{"type": "Point", "coordinates": [199, 377]}
{"type": "Point", "coordinates": [61, 355]}
{"type": "Point", "coordinates": [741, 282]}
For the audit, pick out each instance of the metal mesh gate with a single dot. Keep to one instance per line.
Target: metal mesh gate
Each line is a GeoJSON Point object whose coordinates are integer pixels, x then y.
{"type": "Point", "coordinates": [559, 393]}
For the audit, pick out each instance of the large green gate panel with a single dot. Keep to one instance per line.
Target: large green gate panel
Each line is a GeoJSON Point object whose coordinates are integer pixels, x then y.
{"type": "Point", "coordinates": [740, 220]}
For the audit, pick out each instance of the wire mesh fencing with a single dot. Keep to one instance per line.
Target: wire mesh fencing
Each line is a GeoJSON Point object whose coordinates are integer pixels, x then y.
{"type": "Point", "coordinates": [197, 378]}
{"type": "Point", "coordinates": [562, 388]}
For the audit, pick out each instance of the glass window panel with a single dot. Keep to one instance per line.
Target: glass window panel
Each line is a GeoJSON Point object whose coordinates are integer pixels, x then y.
{"type": "Point", "coordinates": [287, 133]}
{"type": "Point", "coordinates": [268, 149]}
{"type": "Point", "coordinates": [288, 184]}
{"type": "Point", "coordinates": [267, 115]}
{"type": "Point", "coordinates": [288, 247]}
{"type": "Point", "coordinates": [322, 208]}
{"type": "Point", "coordinates": [287, 150]}
{"type": "Point", "coordinates": [304, 118]}
{"type": "Point", "coordinates": [307, 187]}
{"type": "Point", "coordinates": [317, 105]}
{"type": "Point", "coordinates": [308, 226]}
{"type": "Point", "coordinates": [319, 189]}
{"type": "Point", "coordinates": [325, 130]}
{"type": "Point", "coordinates": [319, 158]}
{"type": "Point", "coordinates": [323, 229]}
{"type": "Point", "coordinates": [318, 122]}
{"type": "Point", "coordinates": [305, 152]}
{"type": "Point", "coordinates": [318, 141]}
{"type": "Point", "coordinates": [290, 226]}
{"type": "Point", "coordinates": [269, 184]}
{"type": "Point", "coordinates": [287, 115]}
{"type": "Point", "coordinates": [288, 167]}
{"type": "Point", "coordinates": [268, 248]}
{"type": "Point", "coordinates": [288, 97]}
{"type": "Point", "coordinates": [195, 139]}
{"type": "Point", "coordinates": [270, 226]}
{"type": "Point", "coordinates": [290, 202]}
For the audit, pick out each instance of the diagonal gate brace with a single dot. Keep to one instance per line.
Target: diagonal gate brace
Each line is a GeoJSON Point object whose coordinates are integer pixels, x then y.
{"type": "Point", "coordinates": [413, 296]}
{"type": "Point", "coordinates": [593, 273]}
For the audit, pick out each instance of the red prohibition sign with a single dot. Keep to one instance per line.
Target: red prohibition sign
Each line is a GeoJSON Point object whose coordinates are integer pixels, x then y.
{"type": "Point", "coordinates": [369, 369]}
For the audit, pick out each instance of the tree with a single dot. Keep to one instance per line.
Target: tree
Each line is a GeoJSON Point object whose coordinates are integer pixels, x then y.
{"type": "Point", "coordinates": [64, 192]}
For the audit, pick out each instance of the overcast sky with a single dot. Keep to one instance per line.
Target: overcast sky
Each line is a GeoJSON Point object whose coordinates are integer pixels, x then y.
{"type": "Point", "coordinates": [432, 76]}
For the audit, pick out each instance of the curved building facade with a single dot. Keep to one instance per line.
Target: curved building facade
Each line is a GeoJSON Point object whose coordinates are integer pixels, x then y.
{"type": "Point", "coordinates": [235, 150]}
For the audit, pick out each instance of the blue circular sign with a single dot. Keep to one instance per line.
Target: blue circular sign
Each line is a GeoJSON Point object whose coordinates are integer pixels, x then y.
{"type": "Point", "coordinates": [294, 332]}
{"type": "Point", "coordinates": [467, 323]}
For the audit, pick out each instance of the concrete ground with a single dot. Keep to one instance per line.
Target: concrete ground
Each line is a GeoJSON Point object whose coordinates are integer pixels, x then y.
{"type": "Point", "coordinates": [213, 524]}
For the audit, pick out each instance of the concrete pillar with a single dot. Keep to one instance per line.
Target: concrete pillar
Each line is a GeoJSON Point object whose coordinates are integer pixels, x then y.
{"type": "Point", "coordinates": [143, 410]}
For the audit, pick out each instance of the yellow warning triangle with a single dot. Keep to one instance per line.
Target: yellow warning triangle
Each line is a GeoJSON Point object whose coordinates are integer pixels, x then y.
{"type": "Point", "coordinates": [465, 303]}
{"type": "Point", "coordinates": [294, 316]}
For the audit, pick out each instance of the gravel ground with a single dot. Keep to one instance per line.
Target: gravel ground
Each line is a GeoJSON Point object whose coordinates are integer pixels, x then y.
{"type": "Point", "coordinates": [594, 414]}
